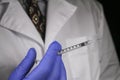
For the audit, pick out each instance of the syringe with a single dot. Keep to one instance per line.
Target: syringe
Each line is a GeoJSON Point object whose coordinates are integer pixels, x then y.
{"type": "Point", "coordinates": [65, 50]}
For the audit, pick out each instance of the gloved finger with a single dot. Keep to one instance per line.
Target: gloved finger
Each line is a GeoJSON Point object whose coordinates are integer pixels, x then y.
{"type": "Point", "coordinates": [47, 63]}
{"type": "Point", "coordinates": [63, 75]}
{"type": "Point", "coordinates": [55, 74]}
{"type": "Point", "coordinates": [23, 68]}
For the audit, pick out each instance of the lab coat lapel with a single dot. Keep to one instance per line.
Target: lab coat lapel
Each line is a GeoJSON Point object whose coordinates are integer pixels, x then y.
{"type": "Point", "coordinates": [59, 12]}
{"type": "Point", "coordinates": [16, 19]}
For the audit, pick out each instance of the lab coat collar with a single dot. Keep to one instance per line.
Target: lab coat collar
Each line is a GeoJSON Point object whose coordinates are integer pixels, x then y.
{"type": "Point", "coordinates": [15, 19]}
{"type": "Point", "coordinates": [59, 12]}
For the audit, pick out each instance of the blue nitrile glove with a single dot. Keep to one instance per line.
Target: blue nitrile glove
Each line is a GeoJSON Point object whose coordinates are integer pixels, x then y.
{"type": "Point", "coordinates": [50, 67]}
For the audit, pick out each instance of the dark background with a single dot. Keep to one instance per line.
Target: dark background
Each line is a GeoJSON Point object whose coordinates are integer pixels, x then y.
{"type": "Point", "coordinates": [112, 14]}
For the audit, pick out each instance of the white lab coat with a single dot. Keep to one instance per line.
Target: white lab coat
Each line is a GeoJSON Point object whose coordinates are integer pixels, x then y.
{"type": "Point", "coordinates": [68, 22]}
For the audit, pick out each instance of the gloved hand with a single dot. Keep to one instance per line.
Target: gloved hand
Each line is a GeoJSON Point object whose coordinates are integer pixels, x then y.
{"type": "Point", "coordinates": [50, 67]}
